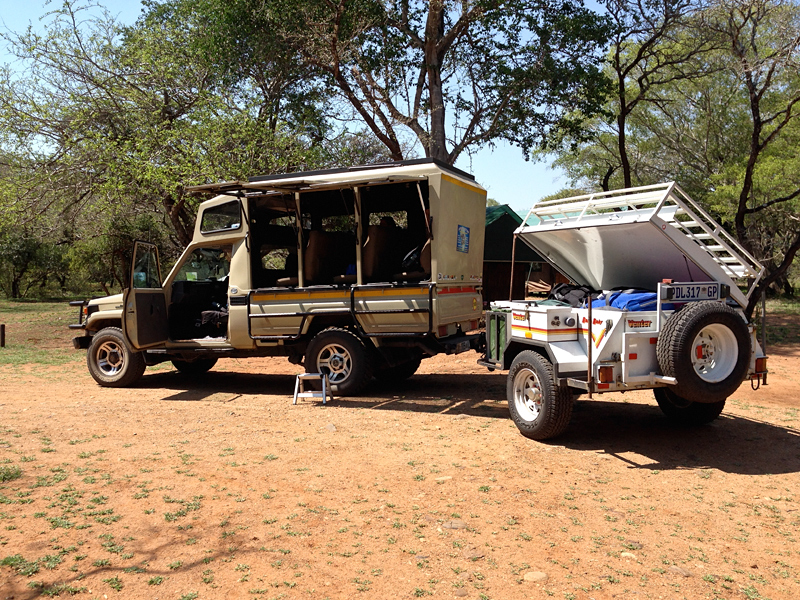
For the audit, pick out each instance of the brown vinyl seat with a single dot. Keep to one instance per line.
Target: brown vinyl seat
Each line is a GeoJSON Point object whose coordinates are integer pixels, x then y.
{"type": "Point", "coordinates": [328, 254]}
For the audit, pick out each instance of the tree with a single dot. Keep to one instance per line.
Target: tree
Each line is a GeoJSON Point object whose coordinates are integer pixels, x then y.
{"type": "Point", "coordinates": [654, 43]}
{"type": "Point", "coordinates": [730, 137]}
{"type": "Point", "coordinates": [763, 38]}
{"type": "Point", "coordinates": [453, 75]}
{"type": "Point", "coordinates": [106, 124]}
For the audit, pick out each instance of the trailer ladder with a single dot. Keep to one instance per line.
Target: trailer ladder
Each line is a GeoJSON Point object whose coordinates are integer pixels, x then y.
{"type": "Point", "coordinates": [666, 201]}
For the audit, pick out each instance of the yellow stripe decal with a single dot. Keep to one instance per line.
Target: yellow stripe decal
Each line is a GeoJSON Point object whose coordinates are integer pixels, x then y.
{"type": "Point", "coordinates": [543, 331]}
{"type": "Point", "coordinates": [463, 184]}
{"type": "Point", "coordinates": [340, 295]}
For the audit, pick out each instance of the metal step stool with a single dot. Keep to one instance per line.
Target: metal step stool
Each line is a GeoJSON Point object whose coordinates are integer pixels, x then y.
{"type": "Point", "coordinates": [299, 388]}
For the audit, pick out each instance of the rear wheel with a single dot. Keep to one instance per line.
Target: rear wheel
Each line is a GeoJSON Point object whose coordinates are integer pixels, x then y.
{"type": "Point", "coordinates": [341, 356]}
{"type": "Point", "coordinates": [539, 407]}
{"type": "Point", "coordinates": [706, 348]}
{"type": "Point", "coordinates": [399, 372]}
{"type": "Point", "coordinates": [195, 367]}
{"type": "Point", "coordinates": [111, 362]}
{"type": "Point", "coordinates": [685, 412]}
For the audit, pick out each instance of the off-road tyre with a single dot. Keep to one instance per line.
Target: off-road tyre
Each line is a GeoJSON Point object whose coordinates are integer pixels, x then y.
{"type": "Point", "coordinates": [539, 407]}
{"type": "Point", "coordinates": [706, 347]}
{"type": "Point", "coordinates": [685, 412]}
{"type": "Point", "coordinates": [195, 367]}
{"type": "Point", "coordinates": [111, 362]}
{"type": "Point", "coordinates": [341, 356]}
{"type": "Point", "coordinates": [399, 372]}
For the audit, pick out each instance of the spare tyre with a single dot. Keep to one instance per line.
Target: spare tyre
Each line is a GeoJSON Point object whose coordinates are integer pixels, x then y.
{"type": "Point", "coordinates": [706, 347]}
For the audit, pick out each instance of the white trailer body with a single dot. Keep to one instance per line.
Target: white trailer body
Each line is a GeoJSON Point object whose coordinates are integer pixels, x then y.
{"type": "Point", "coordinates": [693, 346]}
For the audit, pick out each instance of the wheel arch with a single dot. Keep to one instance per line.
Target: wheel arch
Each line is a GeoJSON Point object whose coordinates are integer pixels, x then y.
{"type": "Point", "coordinates": [102, 323]}
{"type": "Point", "coordinates": [514, 348]}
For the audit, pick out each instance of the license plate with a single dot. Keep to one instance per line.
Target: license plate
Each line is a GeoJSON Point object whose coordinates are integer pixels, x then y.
{"type": "Point", "coordinates": [689, 292]}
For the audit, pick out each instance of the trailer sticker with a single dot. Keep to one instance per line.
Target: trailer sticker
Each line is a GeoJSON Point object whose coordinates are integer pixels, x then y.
{"type": "Point", "coordinates": [539, 331]}
{"type": "Point", "coordinates": [596, 338]}
{"type": "Point", "coordinates": [636, 324]}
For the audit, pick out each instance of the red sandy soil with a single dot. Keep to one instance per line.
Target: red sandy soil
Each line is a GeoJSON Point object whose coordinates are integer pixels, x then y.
{"type": "Point", "coordinates": [218, 487]}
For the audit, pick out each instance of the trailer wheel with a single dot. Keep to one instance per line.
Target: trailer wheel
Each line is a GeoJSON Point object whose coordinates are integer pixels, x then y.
{"type": "Point", "coordinates": [685, 412]}
{"type": "Point", "coordinates": [706, 347]}
{"type": "Point", "coordinates": [539, 407]}
{"type": "Point", "coordinates": [195, 367]}
{"type": "Point", "coordinates": [111, 362]}
{"type": "Point", "coordinates": [341, 356]}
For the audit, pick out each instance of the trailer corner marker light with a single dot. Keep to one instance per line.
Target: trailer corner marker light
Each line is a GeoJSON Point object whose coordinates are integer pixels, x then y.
{"type": "Point", "coordinates": [761, 365]}
{"type": "Point", "coordinates": [606, 374]}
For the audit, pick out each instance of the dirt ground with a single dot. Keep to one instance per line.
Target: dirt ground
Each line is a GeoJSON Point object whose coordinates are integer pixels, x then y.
{"type": "Point", "coordinates": [218, 487]}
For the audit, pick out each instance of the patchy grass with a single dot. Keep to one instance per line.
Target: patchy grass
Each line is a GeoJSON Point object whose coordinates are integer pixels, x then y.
{"type": "Point", "coordinates": [38, 333]}
{"type": "Point", "coordinates": [9, 473]}
{"type": "Point", "coordinates": [783, 321]}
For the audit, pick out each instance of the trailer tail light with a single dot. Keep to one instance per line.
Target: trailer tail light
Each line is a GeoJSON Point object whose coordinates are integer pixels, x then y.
{"type": "Point", "coordinates": [606, 374]}
{"type": "Point", "coordinates": [442, 330]}
{"type": "Point", "coordinates": [761, 365]}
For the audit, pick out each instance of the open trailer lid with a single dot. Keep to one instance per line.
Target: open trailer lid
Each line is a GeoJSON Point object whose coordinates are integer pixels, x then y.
{"type": "Point", "coordinates": [635, 238]}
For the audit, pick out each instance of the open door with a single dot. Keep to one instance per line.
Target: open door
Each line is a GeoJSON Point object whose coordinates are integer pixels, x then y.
{"type": "Point", "coordinates": [145, 316]}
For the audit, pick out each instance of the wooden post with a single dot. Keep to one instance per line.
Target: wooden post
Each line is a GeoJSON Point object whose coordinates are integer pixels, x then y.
{"type": "Point", "coordinates": [2, 335]}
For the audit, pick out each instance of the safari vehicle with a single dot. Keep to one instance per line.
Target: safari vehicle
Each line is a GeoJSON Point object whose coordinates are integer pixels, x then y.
{"type": "Point", "coordinates": [357, 272]}
{"type": "Point", "coordinates": [666, 315]}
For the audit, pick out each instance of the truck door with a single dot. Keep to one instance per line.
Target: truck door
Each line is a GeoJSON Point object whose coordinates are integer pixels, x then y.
{"type": "Point", "coordinates": [144, 322]}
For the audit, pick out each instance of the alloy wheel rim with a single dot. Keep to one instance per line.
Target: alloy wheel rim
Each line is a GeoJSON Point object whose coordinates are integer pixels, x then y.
{"type": "Point", "coordinates": [110, 358]}
{"type": "Point", "coordinates": [527, 394]}
{"type": "Point", "coordinates": [336, 362]}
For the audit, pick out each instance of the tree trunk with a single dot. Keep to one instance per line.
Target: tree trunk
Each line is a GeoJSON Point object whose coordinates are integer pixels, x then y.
{"type": "Point", "coordinates": [434, 31]}
{"type": "Point", "coordinates": [774, 276]}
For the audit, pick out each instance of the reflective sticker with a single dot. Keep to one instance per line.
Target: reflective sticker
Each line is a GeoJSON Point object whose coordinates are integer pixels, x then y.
{"type": "Point", "coordinates": [462, 241]}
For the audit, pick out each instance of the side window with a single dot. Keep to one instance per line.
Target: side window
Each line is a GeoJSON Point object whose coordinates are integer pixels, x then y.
{"type": "Point", "coordinates": [206, 264]}
{"type": "Point", "coordinates": [224, 217]}
{"type": "Point", "coordinates": [146, 271]}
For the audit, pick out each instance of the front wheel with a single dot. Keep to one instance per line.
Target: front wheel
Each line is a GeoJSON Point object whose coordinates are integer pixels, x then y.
{"type": "Point", "coordinates": [341, 356]}
{"type": "Point", "coordinates": [111, 362]}
{"type": "Point", "coordinates": [685, 412]}
{"type": "Point", "coordinates": [539, 407]}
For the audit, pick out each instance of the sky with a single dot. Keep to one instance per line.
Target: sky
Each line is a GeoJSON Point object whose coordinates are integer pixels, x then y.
{"type": "Point", "coordinates": [502, 170]}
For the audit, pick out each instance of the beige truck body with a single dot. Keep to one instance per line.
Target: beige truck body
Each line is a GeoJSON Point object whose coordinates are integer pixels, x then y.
{"type": "Point", "coordinates": [389, 256]}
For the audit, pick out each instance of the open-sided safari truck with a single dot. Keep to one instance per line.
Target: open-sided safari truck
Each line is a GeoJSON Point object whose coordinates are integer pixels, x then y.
{"type": "Point", "coordinates": [666, 313]}
{"type": "Point", "coordinates": [357, 271]}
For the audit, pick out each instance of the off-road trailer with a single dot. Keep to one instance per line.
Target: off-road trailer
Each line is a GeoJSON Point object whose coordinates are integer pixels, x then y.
{"type": "Point", "coordinates": [692, 345]}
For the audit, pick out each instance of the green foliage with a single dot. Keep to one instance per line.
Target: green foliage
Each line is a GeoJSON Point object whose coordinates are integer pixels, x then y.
{"type": "Point", "coordinates": [720, 119]}
{"type": "Point", "coordinates": [82, 178]}
{"type": "Point", "coordinates": [9, 473]}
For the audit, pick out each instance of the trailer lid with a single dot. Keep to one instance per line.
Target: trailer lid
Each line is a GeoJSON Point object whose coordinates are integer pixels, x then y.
{"type": "Point", "coordinates": [635, 238]}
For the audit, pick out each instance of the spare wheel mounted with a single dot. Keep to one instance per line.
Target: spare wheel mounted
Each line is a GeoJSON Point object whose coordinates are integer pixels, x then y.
{"type": "Point", "coordinates": [706, 347]}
